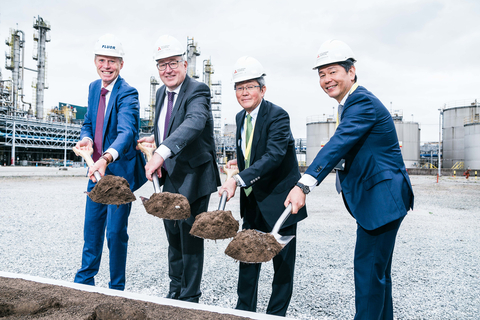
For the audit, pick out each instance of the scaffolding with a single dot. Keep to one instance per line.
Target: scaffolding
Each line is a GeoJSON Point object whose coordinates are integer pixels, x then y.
{"type": "Point", "coordinates": [193, 51]}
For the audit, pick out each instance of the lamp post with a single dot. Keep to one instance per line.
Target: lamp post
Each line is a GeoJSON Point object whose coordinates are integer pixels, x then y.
{"type": "Point", "coordinates": [440, 140]}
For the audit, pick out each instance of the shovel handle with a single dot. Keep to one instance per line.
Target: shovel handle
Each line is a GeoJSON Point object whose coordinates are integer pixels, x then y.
{"type": "Point", "coordinates": [223, 201]}
{"type": "Point", "coordinates": [148, 152]}
{"type": "Point", "coordinates": [87, 155]}
{"type": "Point", "coordinates": [230, 172]}
{"type": "Point", "coordinates": [282, 219]}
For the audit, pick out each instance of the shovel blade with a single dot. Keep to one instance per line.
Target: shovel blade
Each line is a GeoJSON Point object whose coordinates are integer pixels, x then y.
{"type": "Point", "coordinates": [284, 240]}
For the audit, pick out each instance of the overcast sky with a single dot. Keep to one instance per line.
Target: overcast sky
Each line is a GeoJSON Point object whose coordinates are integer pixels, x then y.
{"type": "Point", "coordinates": [414, 55]}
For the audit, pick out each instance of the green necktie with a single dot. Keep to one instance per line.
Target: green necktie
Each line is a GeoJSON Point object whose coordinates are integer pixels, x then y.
{"type": "Point", "coordinates": [248, 133]}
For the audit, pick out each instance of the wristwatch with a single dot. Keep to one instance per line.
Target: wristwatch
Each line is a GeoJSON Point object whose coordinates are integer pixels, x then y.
{"type": "Point", "coordinates": [304, 188]}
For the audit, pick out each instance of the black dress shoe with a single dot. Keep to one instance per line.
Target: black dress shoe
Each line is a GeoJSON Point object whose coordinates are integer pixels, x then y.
{"type": "Point", "coordinates": [173, 295]}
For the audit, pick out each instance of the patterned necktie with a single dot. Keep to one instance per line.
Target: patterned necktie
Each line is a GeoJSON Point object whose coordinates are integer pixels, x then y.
{"type": "Point", "coordinates": [171, 96]}
{"type": "Point", "coordinates": [338, 186]}
{"type": "Point", "coordinates": [248, 148]}
{"type": "Point", "coordinates": [98, 140]}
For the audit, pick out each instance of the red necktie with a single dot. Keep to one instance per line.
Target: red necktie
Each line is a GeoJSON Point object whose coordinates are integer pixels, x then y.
{"type": "Point", "coordinates": [98, 140]}
{"type": "Point", "coordinates": [171, 95]}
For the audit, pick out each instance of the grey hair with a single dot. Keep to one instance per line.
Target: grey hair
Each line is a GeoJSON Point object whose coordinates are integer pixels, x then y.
{"type": "Point", "coordinates": [260, 81]}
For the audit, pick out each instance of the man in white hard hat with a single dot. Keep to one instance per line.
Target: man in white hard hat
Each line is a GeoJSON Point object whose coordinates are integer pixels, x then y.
{"type": "Point", "coordinates": [111, 129]}
{"type": "Point", "coordinates": [268, 170]}
{"type": "Point", "coordinates": [371, 177]}
{"type": "Point", "coordinates": [184, 161]}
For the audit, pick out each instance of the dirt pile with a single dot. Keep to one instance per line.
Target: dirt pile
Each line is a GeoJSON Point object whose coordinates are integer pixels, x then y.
{"type": "Point", "coordinates": [166, 205]}
{"type": "Point", "coordinates": [253, 247]}
{"type": "Point", "coordinates": [215, 225]}
{"type": "Point", "coordinates": [22, 299]}
{"type": "Point", "coordinates": [112, 190]}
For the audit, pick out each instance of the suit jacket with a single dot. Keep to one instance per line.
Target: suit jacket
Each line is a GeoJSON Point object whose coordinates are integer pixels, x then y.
{"type": "Point", "coordinates": [273, 169]}
{"type": "Point", "coordinates": [192, 169]}
{"type": "Point", "coordinates": [120, 130]}
{"type": "Point", "coordinates": [375, 184]}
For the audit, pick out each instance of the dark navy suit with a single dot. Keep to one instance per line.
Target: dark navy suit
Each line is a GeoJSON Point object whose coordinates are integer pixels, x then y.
{"type": "Point", "coordinates": [191, 171]}
{"type": "Point", "coordinates": [272, 173]}
{"type": "Point", "coordinates": [376, 190]}
{"type": "Point", "coordinates": [120, 132]}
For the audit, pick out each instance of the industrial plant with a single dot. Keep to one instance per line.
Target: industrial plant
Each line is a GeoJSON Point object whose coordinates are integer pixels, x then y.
{"type": "Point", "coordinates": [30, 136]}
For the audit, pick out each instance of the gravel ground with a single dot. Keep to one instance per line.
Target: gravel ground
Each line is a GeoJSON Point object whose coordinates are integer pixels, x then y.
{"type": "Point", "coordinates": [435, 268]}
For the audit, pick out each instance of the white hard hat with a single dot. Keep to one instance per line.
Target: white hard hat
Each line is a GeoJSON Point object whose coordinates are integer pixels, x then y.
{"type": "Point", "coordinates": [332, 51]}
{"type": "Point", "coordinates": [109, 45]}
{"type": "Point", "coordinates": [167, 46]}
{"type": "Point", "coordinates": [247, 68]}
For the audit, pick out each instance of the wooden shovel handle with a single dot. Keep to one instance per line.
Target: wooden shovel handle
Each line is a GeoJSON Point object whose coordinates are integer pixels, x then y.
{"type": "Point", "coordinates": [230, 172]}
{"type": "Point", "coordinates": [85, 154]}
{"type": "Point", "coordinates": [147, 150]}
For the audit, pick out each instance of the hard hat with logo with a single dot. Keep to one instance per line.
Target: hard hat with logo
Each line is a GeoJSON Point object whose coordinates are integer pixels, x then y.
{"type": "Point", "coordinates": [332, 51]}
{"type": "Point", "coordinates": [167, 46]}
{"type": "Point", "coordinates": [247, 68]}
{"type": "Point", "coordinates": [109, 45]}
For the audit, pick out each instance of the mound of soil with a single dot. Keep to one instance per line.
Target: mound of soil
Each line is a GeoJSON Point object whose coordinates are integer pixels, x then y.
{"type": "Point", "coordinates": [112, 190]}
{"type": "Point", "coordinates": [215, 225]}
{"type": "Point", "coordinates": [22, 299]}
{"type": "Point", "coordinates": [166, 205]}
{"type": "Point", "coordinates": [253, 247]}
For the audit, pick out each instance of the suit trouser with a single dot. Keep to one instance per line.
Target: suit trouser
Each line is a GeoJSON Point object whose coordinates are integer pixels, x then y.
{"type": "Point", "coordinates": [283, 266]}
{"type": "Point", "coordinates": [185, 255]}
{"type": "Point", "coordinates": [99, 217]}
{"type": "Point", "coordinates": [372, 269]}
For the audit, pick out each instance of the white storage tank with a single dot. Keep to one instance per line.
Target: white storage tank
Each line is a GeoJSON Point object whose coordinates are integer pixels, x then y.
{"type": "Point", "coordinates": [408, 134]}
{"type": "Point", "coordinates": [319, 131]}
{"type": "Point", "coordinates": [454, 120]}
{"type": "Point", "coordinates": [472, 145]}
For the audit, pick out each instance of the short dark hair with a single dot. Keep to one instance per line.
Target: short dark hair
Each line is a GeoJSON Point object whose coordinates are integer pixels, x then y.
{"type": "Point", "coordinates": [347, 64]}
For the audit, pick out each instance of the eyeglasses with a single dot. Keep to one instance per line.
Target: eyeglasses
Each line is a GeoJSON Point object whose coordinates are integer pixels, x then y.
{"type": "Point", "coordinates": [249, 88]}
{"type": "Point", "coordinates": [172, 65]}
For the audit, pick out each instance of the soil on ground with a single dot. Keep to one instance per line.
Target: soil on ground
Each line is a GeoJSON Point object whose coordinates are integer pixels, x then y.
{"type": "Point", "coordinates": [22, 299]}
{"type": "Point", "coordinates": [112, 190]}
{"type": "Point", "coordinates": [252, 246]}
{"type": "Point", "coordinates": [215, 225]}
{"type": "Point", "coordinates": [166, 205]}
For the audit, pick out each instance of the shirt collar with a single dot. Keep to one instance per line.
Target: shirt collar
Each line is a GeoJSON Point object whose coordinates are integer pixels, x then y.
{"type": "Point", "coordinates": [111, 85]}
{"type": "Point", "coordinates": [254, 113]}
{"type": "Point", "coordinates": [354, 86]}
{"type": "Point", "coordinates": [176, 90]}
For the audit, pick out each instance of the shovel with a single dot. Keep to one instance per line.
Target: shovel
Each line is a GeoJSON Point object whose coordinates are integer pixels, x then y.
{"type": "Point", "coordinates": [217, 225]}
{"type": "Point", "coordinates": [109, 189]}
{"type": "Point", "coordinates": [165, 205]}
{"type": "Point", "coordinates": [254, 246]}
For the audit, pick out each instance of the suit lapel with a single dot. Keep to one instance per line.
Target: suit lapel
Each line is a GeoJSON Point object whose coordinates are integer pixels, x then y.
{"type": "Point", "coordinates": [262, 114]}
{"type": "Point", "coordinates": [240, 156]}
{"type": "Point", "coordinates": [178, 102]}
{"type": "Point", "coordinates": [96, 101]}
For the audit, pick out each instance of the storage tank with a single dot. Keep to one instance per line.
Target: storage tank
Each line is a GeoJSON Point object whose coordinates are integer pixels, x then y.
{"type": "Point", "coordinates": [472, 144]}
{"type": "Point", "coordinates": [408, 134]}
{"type": "Point", "coordinates": [319, 131]}
{"type": "Point", "coordinates": [454, 119]}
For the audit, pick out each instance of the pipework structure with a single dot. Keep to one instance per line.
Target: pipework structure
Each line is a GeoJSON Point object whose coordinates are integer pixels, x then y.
{"type": "Point", "coordinates": [41, 37]}
{"type": "Point", "coordinates": [193, 51]}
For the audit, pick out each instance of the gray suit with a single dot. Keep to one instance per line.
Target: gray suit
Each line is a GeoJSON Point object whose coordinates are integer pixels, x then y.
{"type": "Point", "coordinates": [192, 172]}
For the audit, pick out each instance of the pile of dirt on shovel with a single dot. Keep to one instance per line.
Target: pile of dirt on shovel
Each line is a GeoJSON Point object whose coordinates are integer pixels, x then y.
{"type": "Point", "coordinates": [252, 246]}
{"type": "Point", "coordinates": [166, 205]}
{"type": "Point", "coordinates": [215, 225]}
{"type": "Point", "coordinates": [22, 299]}
{"type": "Point", "coordinates": [112, 190]}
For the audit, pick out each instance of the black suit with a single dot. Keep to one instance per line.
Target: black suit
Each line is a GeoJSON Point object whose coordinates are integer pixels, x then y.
{"type": "Point", "coordinates": [192, 172]}
{"type": "Point", "coordinates": [272, 173]}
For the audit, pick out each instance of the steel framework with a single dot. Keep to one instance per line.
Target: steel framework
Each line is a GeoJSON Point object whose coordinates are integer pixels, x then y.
{"type": "Point", "coordinates": [32, 133]}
